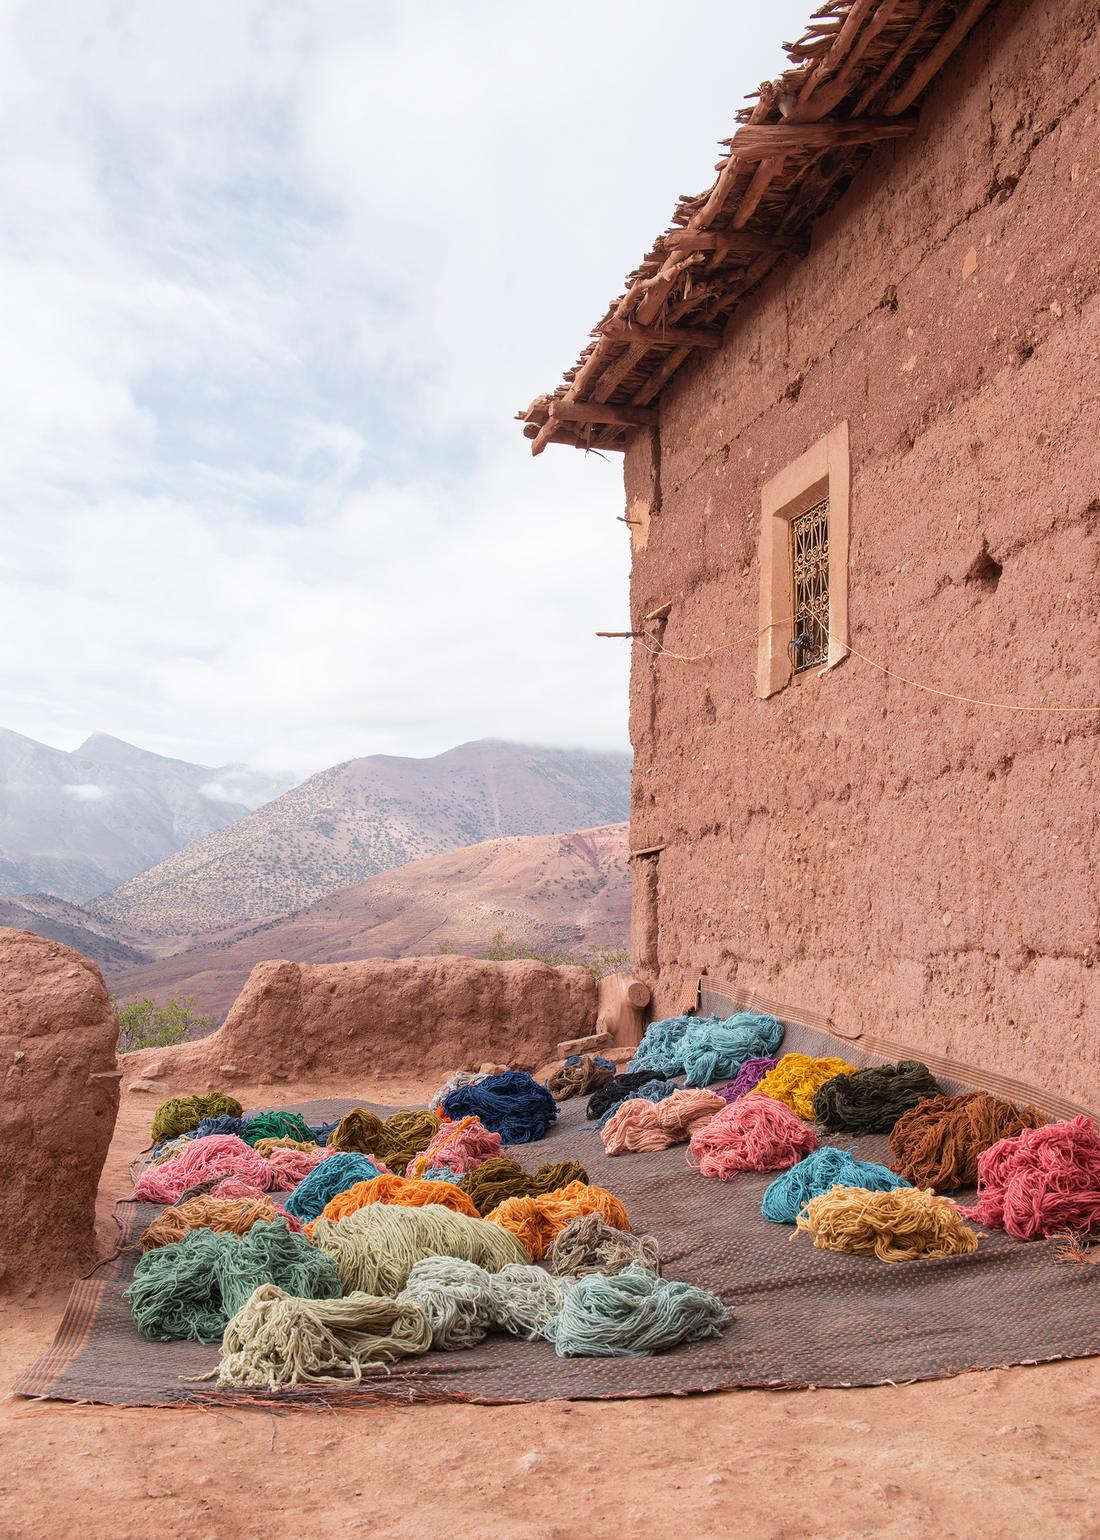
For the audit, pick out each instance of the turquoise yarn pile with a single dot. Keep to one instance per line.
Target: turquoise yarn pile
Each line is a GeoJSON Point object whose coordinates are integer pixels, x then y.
{"type": "Point", "coordinates": [512, 1105]}
{"type": "Point", "coordinates": [715, 1050]}
{"type": "Point", "coordinates": [334, 1174]}
{"type": "Point", "coordinates": [191, 1288]}
{"type": "Point", "coordinates": [659, 1048]}
{"type": "Point", "coordinates": [632, 1314]}
{"type": "Point", "coordinates": [825, 1168]}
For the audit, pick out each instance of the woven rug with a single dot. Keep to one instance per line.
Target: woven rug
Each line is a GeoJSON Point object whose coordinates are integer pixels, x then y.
{"type": "Point", "coordinates": [801, 1316]}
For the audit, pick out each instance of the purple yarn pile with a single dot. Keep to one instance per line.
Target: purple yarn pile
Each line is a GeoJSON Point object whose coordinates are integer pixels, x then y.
{"type": "Point", "coordinates": [749, 1077]}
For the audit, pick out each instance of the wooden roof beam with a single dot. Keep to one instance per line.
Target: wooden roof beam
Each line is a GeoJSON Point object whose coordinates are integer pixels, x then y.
{"type": "Point", "coordinates": [761, 141]}
{"type": "Point", "coordinates": [937, 58]}
{"type": "Point", "coordinates": [604, 413]}
{"type": "Point", "coordinates": [730, 243]}
{"type": "Point", "coordinates": [662, 336]}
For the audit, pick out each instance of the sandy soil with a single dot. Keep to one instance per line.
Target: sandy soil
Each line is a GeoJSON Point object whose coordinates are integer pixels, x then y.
{"type": "Point", "coordinates": [994, 1455]}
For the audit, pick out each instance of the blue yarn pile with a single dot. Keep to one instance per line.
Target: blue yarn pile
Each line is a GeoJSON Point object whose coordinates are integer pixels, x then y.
{"type": "Point", "coordinates": [714, 1049]}
{"type": "Point", "coordinates": [652, 1091]}
{"type": "Point", "coordinates": [632, 1314]}
{"type": "Point", "coordinates": [222, 1124]}
{"type": "Point", "coordinates": [659, 1049]}
{"type": "Point", "coordinates": [328, 1177]}
{"type": "Point", "coordinates": [512, 1105]}
{"type": "Point", "coordinates": [440, 1174]}
{"type": "Point", "coordinates": [321, 1131]}
{"type": "Point", "coordinates": [815, 1174]}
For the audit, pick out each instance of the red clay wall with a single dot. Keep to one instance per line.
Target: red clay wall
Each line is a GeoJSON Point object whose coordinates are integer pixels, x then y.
{"type": "Point", "coordinates": [919, 867]}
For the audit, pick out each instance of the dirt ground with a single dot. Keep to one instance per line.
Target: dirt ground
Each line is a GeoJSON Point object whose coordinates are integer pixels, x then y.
{"type": "Point", "coordinates": [1005, 1454]}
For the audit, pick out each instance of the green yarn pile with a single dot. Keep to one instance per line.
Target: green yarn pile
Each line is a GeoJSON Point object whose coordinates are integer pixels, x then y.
{"type": "Point", "coordinates": [180, 1114]}
{"type": "Point", "coordinates": [500, 1177]}
{"type": "Point", "coordinates": [276, 1125]}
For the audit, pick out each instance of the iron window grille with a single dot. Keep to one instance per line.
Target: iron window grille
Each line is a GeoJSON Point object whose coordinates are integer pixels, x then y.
{"type": "Point", "coordinates": [810, 587]}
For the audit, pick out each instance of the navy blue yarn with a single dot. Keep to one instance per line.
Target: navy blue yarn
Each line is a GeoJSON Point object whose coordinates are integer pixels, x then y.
{"type": "Point", "coordinates": [619, 1090]}
{"type": "Point", "coordinates": [512, 1105]}
{"type": "Point", "coordinates": [222, 1124]}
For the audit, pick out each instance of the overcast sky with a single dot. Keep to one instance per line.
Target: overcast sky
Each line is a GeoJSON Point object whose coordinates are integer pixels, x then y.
{"type": "Point", "coordinates": [276, 274]}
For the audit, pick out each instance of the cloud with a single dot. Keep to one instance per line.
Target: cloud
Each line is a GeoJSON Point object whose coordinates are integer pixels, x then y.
{"type": "Point", "coordinates": [274, 282]}
{"type": "Point", "coordinates": [86, 791]}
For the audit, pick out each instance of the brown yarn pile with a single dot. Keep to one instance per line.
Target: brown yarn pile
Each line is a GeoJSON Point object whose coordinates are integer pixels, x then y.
{"type": "Point", "coordinates": [872, 1100]}
{"type": "Point", "coordinates": [588, 1245]}
{"type": "Point", "coordinates": [395, 1141]}
{"type": "Point", "coordinates": [233, 1216]}
{"type": "Point", "coordinates": [499, 1178]}
{"type": "Point", "coordinates": [937, 1143]}
{"type": "Point", "coordinates": [583, 1075]}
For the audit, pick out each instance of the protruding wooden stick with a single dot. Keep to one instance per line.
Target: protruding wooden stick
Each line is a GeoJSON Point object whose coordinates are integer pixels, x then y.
{"type": "Point", "coordinates": [602, 412]}
{"type": "Point", "coordinates": [760, 141]}
{"type": "Point", "coordinates": [662, 336]}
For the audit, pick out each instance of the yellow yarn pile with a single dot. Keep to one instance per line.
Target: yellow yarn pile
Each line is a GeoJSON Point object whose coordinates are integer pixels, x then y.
{"type": "Point", "coordinates": [796, 1077]}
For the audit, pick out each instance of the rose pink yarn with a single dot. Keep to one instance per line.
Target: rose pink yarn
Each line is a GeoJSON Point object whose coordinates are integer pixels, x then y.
{"type": "Point", "coordinates": [290, 1166]}
{"type": "Point", "coordinates": [204, 1159]}
{"type": "Point", "coordinates": [642, 1125]}
{"type": "Point", "coordinates": [237, 1187]}
{"type": "Point", "coordinates": [1042, 1181]}
{"type": "Point", "coordinates": [748, 1078]}
{"type": "Point", "coordinates": [753, 1133]}
{"type": "Point", "coordinates": [461, 1147]}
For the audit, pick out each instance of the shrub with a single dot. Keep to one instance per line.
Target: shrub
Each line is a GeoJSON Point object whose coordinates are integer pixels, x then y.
{"type": "Point", "coordinates": [145, 1024]}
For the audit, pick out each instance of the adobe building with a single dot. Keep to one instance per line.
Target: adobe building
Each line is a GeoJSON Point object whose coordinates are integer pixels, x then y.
{"type": "Point", "coordinates": [857, 384]}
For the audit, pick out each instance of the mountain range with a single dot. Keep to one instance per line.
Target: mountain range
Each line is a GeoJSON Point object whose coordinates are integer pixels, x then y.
{"type": "Point", "coordinates": [366, 816]}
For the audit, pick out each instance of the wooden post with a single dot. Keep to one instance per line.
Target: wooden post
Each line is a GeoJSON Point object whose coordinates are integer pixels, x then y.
{"type": "Point", "coordinates": [620, 1010]}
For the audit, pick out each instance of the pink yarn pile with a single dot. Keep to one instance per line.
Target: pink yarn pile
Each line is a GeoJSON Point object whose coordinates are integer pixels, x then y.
{"type": "Point", "coordinates": [243, 1173]}
{"type": "Point", "coordinates": [753, 1133]}
{"type": "Point", "coordinates": [1042, 1181]}
{"type": "Point", "coordinates": [461, 1147]}
{"type": "Point", "coordinates": [641, 1125]}
{"type": "Point", "coordinates": [290, 1166]}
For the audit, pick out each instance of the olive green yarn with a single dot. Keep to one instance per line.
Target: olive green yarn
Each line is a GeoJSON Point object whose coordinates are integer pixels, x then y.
{"type": "Point", "coordinates": [180, 1114]}
{"type": "Point", "coordinates": [395, 1141]}
{"type": "Point", "coordinates": [500, 1177]}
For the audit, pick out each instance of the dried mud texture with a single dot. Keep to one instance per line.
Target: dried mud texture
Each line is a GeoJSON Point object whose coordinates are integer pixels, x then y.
{"type": "Point", "coordinates": [57, 1113]}
{"type": "Point", "coordinates": [916, 867]}
{"type": "Point", "coordinates": [403, 1016]}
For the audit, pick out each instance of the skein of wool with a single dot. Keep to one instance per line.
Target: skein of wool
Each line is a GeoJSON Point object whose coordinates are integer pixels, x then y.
{"type": "Point", "coordinates": [341, 1170]}
{"type": "Point", "coordinates": [653, 1091]}
{"type": "Point", "coordinates": [525, 1297]}
{"type": "Point", "coordinates": [276, 1339]}
{"type": "Point", "coordinates": [716, 1049]}
{"type": "Point", "coordinates": [223, 1123]}
{"type": "Point", "coordinates": [620, 1089]}
{"type": "Point", "coordinates": [162, 1152]}
{"type": "Point", "coordinates": [871, 1100]}
{"type": "Point", "coordinates": [579, 1075]}
{"type": "Point", "coordinates": [290, 1166]}
{"type": "Point", "coordinates": [440, 1174]}
{"type": "Point", "coordinates": [512, 1105]}
{"type": "Point", "coordinates": [276, 1125]}
{"type": "Point", "coordinates": [463, 1302]}
{"type": "Point", "coordinates": [796, 1077]}
{"type": "Point", "coordinates": [659, 1049]}
{"type": "Point", "coordinates": [375, 1248]}
{"type": "Point", "coordinates": [827, 1167]}
{"type": "Point", "coordinates": [264, 1147]}
{"type": "Point", "coordinates": [180, 1114]}
{"type": "Point", "coordinates": [937, 1143]}
{"type": "Point", "coordinates": [406, 1191]}
{"type": "Point", "coordinates": [752, 1134]}
{"type": "Point", "coordinates": [500, 1178]}
{"type": "Point", "coordinates": [321, 1131]}
{"type": "Point", "coordinates": [642, 1125]}
{"type": "Point", "coordinates": [207, 1213]}
{"type": "Point", "coordinates": [631, 1314]}
{"type": "Point", "coordinates": [461, 1147]}
{"type": "Point", "coordinates": [202, 1160]}
{"type": "Point", "coordinates": [461, 1077]}
{"type": "Point", "coordinates": [537, 1222]}
{"type": "Point", "coordinates": [395, 1141]}
{"type": "Point", "coordinates": [748, 1077]}
{"type": "Point", "coordinates": [190, 1288]}
{"type": "Point", "coordinates": [1041, 1181]}
{"type": "Point", "coordinates": [588, 1244]}
{"type": "Point", "coordinates": [896, 1226]}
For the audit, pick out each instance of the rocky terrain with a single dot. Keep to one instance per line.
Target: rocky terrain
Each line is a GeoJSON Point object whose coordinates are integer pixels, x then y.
{"type": "Point", "coordinates": [552, 893]}
{"type": "Point", "coordinates": [369, 815]}
{"type": "Point", "coordinates": [54, 919]}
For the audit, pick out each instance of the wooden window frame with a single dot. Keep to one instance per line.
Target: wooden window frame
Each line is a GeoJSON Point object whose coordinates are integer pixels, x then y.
{"type": "Point", "coordinates": [823, 471]}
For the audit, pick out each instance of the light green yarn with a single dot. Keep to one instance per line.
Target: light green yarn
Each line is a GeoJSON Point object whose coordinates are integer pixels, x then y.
{"type": "Point", "coordinates": [632, 1314]}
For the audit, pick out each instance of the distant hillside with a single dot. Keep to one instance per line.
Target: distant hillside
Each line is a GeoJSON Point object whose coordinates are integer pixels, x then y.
{"type": "Point", "coordinates": [57, 920]}
{"type": "Point", "coordinates": [366, 816]}
{"type": "Point", "coordinates": [75, 824]}
{"type": "Point", "coordinates": [548, 892]}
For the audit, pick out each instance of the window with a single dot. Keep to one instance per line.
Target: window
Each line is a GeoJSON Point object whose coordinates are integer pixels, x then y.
{"type": "Point", "coordinates": [804, 566]}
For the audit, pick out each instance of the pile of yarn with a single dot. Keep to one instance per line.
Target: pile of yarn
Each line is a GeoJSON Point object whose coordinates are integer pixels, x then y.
{"type": "Point", "coordinates": [375, 1248]}
{"type": "Point", "coordinates": [716, 1049]}
{"type": "Point", "coordinates": [895, 1226]}
{"type": "Point", "coordinates": [870, 1101]}
{"type": "Point", "coordinates": [277, 1125]}
{"type": "Point", "coordinates": [461, 1077]}
{"type": "Point", "coordinates": [207, 1213]}
{"type": "Point", "coordinates": [205, 1160]}
{"type": "Point", "coordinates": [264, 1147]}
{"type": "Point", "coordinates": [642, 1125]}
{"type": "Point", "coordinates": [796, 1078]}
{"type": "Point", "coordinates": [588, 1244]}
{"type": "Point", "coordinates": [190, 1288]}
{"type": "Point", "coordinates": [460, 1147]}
{"type": "Point", "coordinates": [752, 1134]}
{"type": "Point", "coordinates": [937, 1143]}
{"type": "Point", "coordinates": [659, 1049]}
{"type": "Point", "coordinates": [579, 1075]}
{"type": "Point", "coordinates": [408, 1192]}
{"type": "Point", "coordinates": [396, 1140]}
{"type": "Point", "coordinates": [646, 1085]}
{"type": "Point", "coordinates": [277, 1339]}
{"type": "Point", "coordinates": [815, 1174]}
{"type": "Point", "coordinates": [500, 1178]}
{"type": "Point", "coordinates": [180, 1114]}
{"type": "Point", "coordinates": [632, 1313]}
{"type": "Point", "coordinates": [512, 1105]}
{"type": "Point", "coordinates": [342, 1169]}
{"type": "Point", "coordinates": [463, 1302]}
{"type": "Point", "coordinates": [1042, 1181]}
{"type": "Point", "coordinates": [748, 1077]}
{"type": "Point", "coordinates": [537, 1222]}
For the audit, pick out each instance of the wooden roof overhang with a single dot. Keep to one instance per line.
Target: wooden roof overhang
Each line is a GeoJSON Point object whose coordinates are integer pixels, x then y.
{"type": "Point", "coordinates": [854, 79]}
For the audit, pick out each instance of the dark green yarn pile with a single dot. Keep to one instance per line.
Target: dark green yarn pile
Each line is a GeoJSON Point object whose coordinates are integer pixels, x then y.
{"type": "Point", "coordinates": [872, 1100]}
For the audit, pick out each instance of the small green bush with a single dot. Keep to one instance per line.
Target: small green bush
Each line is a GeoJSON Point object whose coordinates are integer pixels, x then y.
{"type": "Point", "coordinates": [145, 1024]}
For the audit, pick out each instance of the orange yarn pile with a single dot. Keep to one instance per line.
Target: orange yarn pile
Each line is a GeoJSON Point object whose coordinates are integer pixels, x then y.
{"type": "Point", "coordinates": [406, 1192]}
{"type": "Point", "coordinates": [537, 1222]}
{"type": "Point", "coordinates": [235, 1216]}
{"type": "Point", "coordinates": [642, 1125]}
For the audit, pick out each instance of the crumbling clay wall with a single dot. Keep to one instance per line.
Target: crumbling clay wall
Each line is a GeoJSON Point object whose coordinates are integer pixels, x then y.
{"type": "Point", "coordinates": [405, 1016]}
{"type": "Point", "coordinates": [910, 864]}
{"type": "Point", "coordinates": [58, 1032]}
